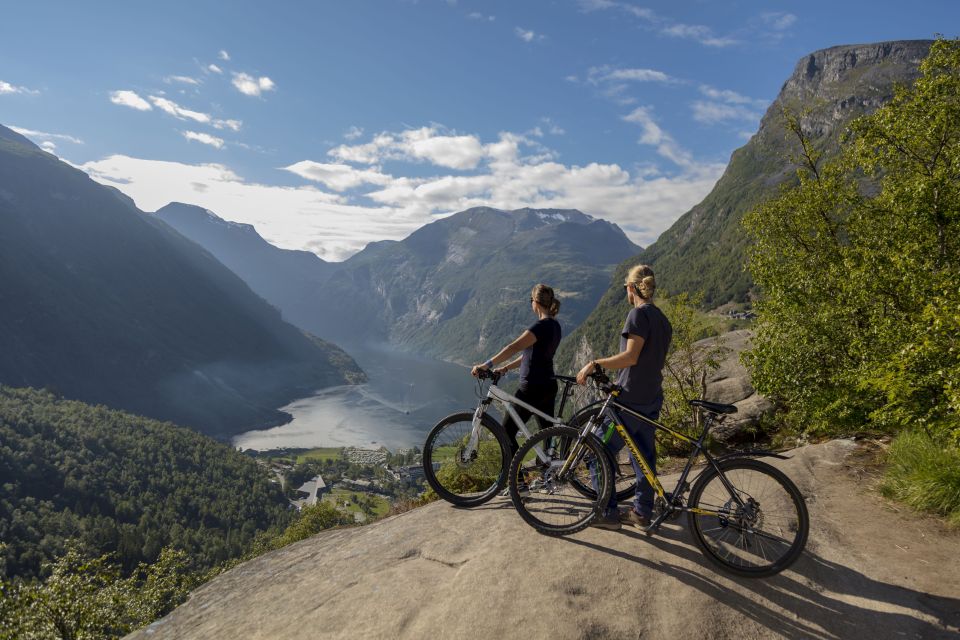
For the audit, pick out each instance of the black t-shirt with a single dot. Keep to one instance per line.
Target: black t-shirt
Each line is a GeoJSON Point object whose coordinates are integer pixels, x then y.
{"type": "Point", "coordinates": [643, 382]}
{"type": "Point", "coordinates": [536, 364]}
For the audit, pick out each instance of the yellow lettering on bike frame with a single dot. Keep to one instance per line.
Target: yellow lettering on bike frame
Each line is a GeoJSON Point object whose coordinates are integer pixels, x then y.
{"type": "Point", "coordinates": [647, 471]}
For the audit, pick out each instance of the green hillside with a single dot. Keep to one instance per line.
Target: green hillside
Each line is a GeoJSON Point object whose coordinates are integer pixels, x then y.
{"type": "Point", "coordinates": [121, 484]}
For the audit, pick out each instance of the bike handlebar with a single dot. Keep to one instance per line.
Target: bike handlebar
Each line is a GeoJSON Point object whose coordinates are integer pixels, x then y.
{"type": "Point", "coordinates": [602, 380]}
{"type": "Point", "coordinates": [489, 374]}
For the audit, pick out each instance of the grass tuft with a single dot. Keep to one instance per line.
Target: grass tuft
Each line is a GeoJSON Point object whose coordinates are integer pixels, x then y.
{"type": "Point", "coordinates": [925, 474]}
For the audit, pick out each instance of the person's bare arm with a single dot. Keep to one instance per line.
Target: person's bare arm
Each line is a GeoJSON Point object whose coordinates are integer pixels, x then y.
{"type": "Point", "coordinates": [526, 340]}
{"type": "Point", "coordinates": [511, 365]}
{"type": "Point", "coordinates": [626, 358]}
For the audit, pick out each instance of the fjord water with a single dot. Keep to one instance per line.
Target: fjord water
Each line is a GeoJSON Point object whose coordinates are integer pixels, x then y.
{"type": "Point", "coordinates": [404, 397]}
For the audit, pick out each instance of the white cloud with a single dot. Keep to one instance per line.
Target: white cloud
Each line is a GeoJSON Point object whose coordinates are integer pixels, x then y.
{"type": "Point", "coordinates": [182, 80]}
{"type": "Point", "coordinates": [454, 152]}
{"type": "Point", "coordinates": [528, 36]}
{"type": "Point", "coordinates": [129, 99]}
{"type": "Point", "coordinates": [353, 133]}
{"type": "Point", "coordinates": [703, 35]}
{"type": "Point", "coordinates": [714, 112]}
{"type": "Point", "coordinates": [731, 97]}
{"type": "Point", "coordinates": [134, 101]}
{"type": "Point", "coordinates": [43, 135]}
{"type": "Point", "coordinates": [214, 68]}
{"type": "Point", "coordinates": [7, 88]}
{"type": "Point", "coordinates": [289, 217]}
{"type": "Point", "coordinates": [596, 75]}
{"type": "Point", "coordinates": [233, 125]}
{"type": "Point", "coordinates": [476, 15]}
{"type": "Point", "coordinates": [653, 135]}
{"type": "Point", "coordinates": [205, 138]}
{"type": "Point", "coordinates": [251, 86]}
{"type": "Point", "coordinates": [49, 146]}
{"type": "Point", "coordinates": [338, 177]}
{"type": "Point", "coordinates": [224, 55]}
{"type": "Point", "coordinates": [514, 172]}
{"type": "Point", "coordinates": [779, 20]}
{"type": "Point", "coordinates": [726, 106]}
{"type": "Point", "coordinates": [427, 143]}
{"type": "Point", "coordinates": [597, 5]}
{"type": "Point", "coordinates": [552, 127]}
{"type": "Point", "coordinates": [175, 110]}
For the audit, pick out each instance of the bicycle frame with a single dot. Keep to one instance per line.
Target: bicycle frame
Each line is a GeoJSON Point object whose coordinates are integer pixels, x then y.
{"type": "Point", "coordinates": [610, 410]}
{"type": "Point", "coordinates": [506, 402]}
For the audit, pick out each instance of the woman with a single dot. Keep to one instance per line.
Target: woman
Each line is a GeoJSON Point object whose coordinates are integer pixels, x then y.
{"type": "Point", "coordinates": [537, 344]}
{"type": "Point", "coordinates": [644, 342]}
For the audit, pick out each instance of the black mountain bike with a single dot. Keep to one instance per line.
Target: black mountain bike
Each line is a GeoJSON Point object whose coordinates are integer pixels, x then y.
{"type": "Point", "coordinates": [746, 516]}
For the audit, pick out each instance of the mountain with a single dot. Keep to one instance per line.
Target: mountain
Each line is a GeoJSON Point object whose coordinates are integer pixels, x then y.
{"type": "Point", "coordinates": [456, 288]}
{"type": "Point", "coordinates": [705, 249]}
{"type": "Point", "coordinates": [283, 277]}
{"type": "Point", "coordinates": [105, 304]}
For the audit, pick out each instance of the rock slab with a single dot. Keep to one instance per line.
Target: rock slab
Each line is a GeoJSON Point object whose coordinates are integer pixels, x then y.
{"type": "Point", "coordinates": [439, 572]}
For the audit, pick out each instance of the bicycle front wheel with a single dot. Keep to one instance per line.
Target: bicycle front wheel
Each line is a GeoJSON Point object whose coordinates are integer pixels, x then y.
{"type": "Point", "coordinates": [550, 501]}
{"type": "Point", "coordinates": [756, 530]}
{"type": "Point", "coordinates": [464, 470]}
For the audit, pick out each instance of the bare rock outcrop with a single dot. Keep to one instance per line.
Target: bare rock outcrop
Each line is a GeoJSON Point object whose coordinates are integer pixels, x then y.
{"type": "Point", "coordinates": [730, 384]}
{"type": "Point", "coordinates": [441, 572]}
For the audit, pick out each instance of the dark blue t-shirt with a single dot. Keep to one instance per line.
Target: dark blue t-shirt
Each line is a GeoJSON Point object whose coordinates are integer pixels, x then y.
{"type": "Point", "coordinates": [536, 364]}
{"type": "Point", "coordinates": [643, 382]}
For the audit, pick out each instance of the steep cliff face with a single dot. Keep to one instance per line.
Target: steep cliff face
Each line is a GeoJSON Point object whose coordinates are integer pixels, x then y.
{"type": "Point", "coordinates": [705, 250]}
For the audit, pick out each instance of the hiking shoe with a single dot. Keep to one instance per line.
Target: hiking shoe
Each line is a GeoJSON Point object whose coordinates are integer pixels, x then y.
{"type": "Point", "coordinates": [631, 517]}
{"type": "Point", "coordinates": [606, 521]}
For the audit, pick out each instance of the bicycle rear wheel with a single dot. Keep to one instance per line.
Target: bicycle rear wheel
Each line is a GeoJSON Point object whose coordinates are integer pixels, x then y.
{"type": "Point", "coordinates": [552, 504]}
{"type": "Point", "coordinates": [462, 475]}
{"type": "Point", "coordinates": [759, 531]}
{"type": "Point", "coordinates": [624, 475]}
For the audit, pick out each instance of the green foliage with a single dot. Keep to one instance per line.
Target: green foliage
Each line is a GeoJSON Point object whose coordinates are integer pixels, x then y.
{"type": "Point", "coordinates": [858, 266]}
{"type": "Point", "coordinates": [313, 519]}
{"type": "Point", "coordinates": [689, 362]}
{"type": "Point", "coordinates": [121, 484]}
{"type": "Point", "coordinates": [925, 474]}
{"type": "Point", "coordinates": [85, 598]}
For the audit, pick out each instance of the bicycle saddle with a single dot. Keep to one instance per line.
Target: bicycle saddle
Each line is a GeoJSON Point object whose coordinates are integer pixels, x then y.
{"type": "Point", "coordinates": [715, 407]}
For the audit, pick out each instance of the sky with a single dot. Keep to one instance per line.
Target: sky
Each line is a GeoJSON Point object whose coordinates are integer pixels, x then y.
{"type": "Point", "coordinates": [331, 124]}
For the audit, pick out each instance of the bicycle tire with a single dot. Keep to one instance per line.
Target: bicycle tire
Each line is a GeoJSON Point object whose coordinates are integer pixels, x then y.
{"type": "Point", "coordinates": [466, 483]}
{"type": "Point", "coordinates": [777, 532]}
{"type": "Point", "coordinates": [548, 498]}
{"type": "Point", "coordinates": [625, 477]}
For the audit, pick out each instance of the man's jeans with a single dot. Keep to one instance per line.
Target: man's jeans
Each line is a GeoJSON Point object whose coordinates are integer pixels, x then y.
{"type": "Point", "coordinates": [644, 436]}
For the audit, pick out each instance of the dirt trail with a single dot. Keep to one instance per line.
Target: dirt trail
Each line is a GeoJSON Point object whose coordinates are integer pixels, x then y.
{"type": "Point", "coordinates": [870, 571]}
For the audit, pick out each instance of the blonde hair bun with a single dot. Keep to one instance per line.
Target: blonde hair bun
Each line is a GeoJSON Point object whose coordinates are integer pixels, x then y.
{"type": "Point", "coordinates": [642, 277]}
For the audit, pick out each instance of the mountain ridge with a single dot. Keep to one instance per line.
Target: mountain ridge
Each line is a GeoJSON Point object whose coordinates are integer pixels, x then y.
{"type": "Point", "coordinates": [108, 305]}
{"type": "Point", "coordinates": [704, 251]}
{"type": "Point", "coordinates": [463, 275]}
